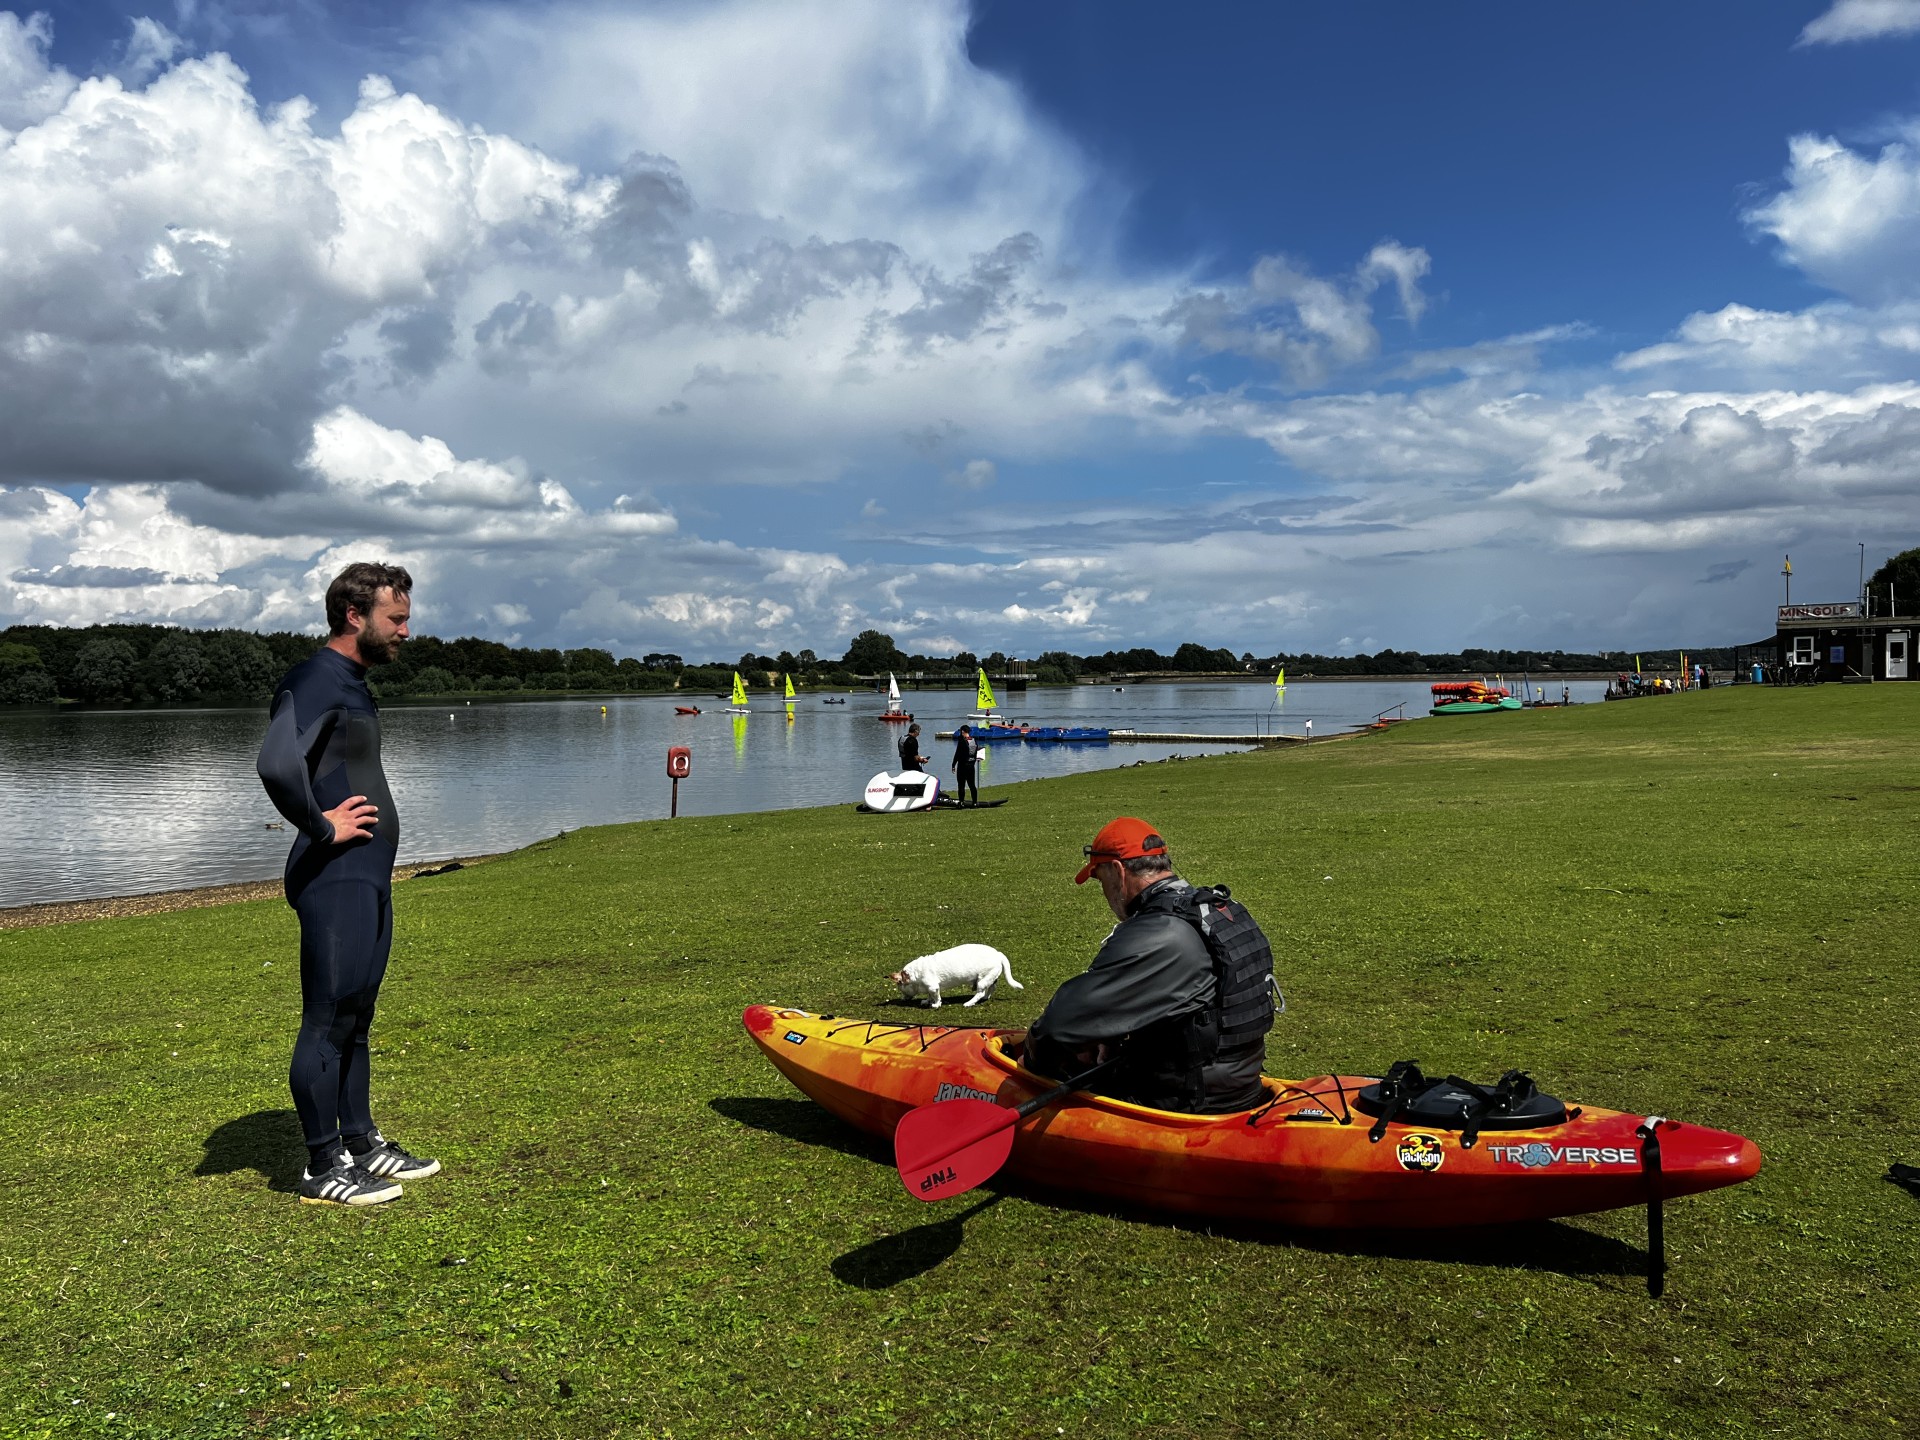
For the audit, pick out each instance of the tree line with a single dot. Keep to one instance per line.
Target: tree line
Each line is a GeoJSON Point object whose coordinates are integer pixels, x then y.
{"type": "Point", "coordinates": [152, 664]}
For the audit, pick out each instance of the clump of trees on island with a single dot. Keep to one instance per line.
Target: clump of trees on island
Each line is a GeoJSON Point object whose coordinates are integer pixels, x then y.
{"type": "Point", "coordinates": [153, 664]}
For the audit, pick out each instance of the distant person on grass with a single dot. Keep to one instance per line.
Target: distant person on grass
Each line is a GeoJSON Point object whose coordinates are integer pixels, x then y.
{"type": "Point", "coordinates": [321, 766]}
{"type": "Point", "coordinates": [1191, 1022]}
{"type": "Point", "coordinates": [966, 757]}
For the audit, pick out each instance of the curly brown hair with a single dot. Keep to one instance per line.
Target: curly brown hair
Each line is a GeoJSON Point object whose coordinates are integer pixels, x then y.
{"type": "Point", "coordinates": [359, 586]}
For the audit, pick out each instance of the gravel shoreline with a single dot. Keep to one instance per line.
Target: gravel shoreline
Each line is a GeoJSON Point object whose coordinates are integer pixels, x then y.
{"type": "Point", "coordinates": [114, 907]}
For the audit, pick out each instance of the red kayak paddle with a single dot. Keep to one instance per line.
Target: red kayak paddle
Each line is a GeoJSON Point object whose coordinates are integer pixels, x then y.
{"type": "Point", "coordinates": [950, 1146]}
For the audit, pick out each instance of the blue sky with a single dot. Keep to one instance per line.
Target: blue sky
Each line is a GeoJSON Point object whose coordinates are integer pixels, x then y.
{"type": "Point", "coordinates": [749, 325]}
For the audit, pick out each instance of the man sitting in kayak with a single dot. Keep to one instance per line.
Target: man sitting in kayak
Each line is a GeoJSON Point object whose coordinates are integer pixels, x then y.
{"type": "Point", "coordinates": [1155, 991]}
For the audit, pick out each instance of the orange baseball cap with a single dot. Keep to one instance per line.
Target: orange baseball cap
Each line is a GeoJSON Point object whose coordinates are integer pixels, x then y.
{"type": "Point", "coordinates": [1121, 839]}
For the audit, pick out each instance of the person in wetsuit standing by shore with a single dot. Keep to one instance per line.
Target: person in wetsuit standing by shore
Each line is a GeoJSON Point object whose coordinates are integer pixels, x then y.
{"type": "Point", "coordinates": [320, 763]}
{"type": "Point", "coordinates": [910, 756]}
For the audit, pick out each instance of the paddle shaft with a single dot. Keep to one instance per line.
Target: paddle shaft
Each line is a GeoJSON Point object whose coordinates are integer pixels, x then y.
{"type": "Point", "coordinates": [1061, 1091]}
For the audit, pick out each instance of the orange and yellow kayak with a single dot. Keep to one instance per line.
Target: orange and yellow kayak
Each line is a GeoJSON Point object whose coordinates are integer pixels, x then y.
{"type": "Point", "coordinates": [1303, 1158]}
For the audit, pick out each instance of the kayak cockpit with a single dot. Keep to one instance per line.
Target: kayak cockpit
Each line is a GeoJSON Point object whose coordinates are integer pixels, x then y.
{"type": "Point", "coordinates": [1005, 1051]}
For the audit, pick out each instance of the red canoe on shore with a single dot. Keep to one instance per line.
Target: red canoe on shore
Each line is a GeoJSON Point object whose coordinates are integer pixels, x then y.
{"type": "Point", "coordinates": [1307, 1156]}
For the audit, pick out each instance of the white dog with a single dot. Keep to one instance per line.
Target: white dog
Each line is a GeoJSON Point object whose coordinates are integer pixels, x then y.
{"type": "Point", "coordinates": [980, 966]}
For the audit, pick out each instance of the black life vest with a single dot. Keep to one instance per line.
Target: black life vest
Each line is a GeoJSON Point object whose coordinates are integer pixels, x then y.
{"type": "Point", "coordinates": [1245, 995]}
{"type": "Point", "coordinates": [1168, 1062]}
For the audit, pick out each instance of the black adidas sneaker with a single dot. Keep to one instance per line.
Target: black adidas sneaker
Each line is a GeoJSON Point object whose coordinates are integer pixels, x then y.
{"type": "Point", "coordinates": [391, 1162]}
{"type": "Point", "coordinates": [345, 1184]}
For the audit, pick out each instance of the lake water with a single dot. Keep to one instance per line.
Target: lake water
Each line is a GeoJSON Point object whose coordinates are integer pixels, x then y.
{"type": "Point", "coordinates": [122, 802]}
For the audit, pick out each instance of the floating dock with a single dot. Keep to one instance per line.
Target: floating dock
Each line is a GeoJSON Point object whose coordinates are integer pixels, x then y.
{"type": "Point", "coordinates": [1165, 737]}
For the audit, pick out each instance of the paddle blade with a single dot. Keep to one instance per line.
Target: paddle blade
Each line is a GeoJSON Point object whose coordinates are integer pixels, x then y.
{"type": "Point", "coordinates": [950, 1147]}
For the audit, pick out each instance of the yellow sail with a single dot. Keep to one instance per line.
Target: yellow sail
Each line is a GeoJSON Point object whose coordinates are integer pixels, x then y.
{"type": "Point", "coordinates": [985, 698]}
{"type": "Point", "coordinates": [789, 689]}
{"type": "Point", "coordinates": [739, 690]}
{"type": "Point", "coordinates": [1280, 680]}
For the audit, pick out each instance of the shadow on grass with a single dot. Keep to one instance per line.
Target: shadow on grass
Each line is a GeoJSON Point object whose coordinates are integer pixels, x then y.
{"type": "Point", "coordinates": [881, 1264]}
{"type": "Point", "coordinates": [268, 1141]}
{"type": "Point", "coordinates": [1547, 1245]}
{"type": "Point", "coordinates": [800, 1120]}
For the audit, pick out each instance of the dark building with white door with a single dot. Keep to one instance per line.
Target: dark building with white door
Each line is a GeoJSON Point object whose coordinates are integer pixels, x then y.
{"type": "Point", "coordinates": [1841, 641]}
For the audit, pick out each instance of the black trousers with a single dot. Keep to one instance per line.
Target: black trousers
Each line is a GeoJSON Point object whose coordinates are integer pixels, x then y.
{"type": "Point", "coordinates": [963, 781]}
{"type": "Point", "coordinates": [346, 935]}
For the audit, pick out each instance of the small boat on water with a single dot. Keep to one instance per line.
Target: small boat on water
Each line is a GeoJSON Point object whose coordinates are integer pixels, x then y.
{"type": "Point", "coordinates": [893, 710]}
{"type": "Point", "coordinates": [1001, 730]}
{"type": "Point", "coordinates": [739, 696]}
{"type": "Point", "coordinates": [983, 700]}
{"type": "Point", "coordinates": [1083, 734]}
{"type": "Point", "coordinates": [686, 709]}
{"type": "Point", "coordinates": [831, 701]}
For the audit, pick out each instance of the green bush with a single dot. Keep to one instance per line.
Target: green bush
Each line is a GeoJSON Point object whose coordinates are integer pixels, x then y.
{"type": "Point", "coordinates": [431, 681]}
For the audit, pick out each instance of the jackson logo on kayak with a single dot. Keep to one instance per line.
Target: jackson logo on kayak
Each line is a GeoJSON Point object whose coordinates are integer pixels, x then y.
{"type": "Point", "coordinates": [1421, 1153]}
{"type": "Point", "coordinates": [1535, 1155]}
{"type": "Point", "coordinates": [961, 1092]}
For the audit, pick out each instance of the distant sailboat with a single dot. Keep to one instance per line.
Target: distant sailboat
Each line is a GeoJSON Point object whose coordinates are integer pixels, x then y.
{"type": "Point", "coordinates": [893, 710]}
{"type": "Point", "coordinates": [1280, 680]}
{"type": "Point", "coordinates": [739, 695]}
{"type": "Point", "coordinates": [789, 697]}
{"type": "Point", "coordinates": [984, 699]}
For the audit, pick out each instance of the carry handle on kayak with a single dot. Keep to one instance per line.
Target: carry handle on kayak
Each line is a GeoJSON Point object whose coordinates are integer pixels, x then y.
{"type": "Point", "coordinates": [948, 1147]}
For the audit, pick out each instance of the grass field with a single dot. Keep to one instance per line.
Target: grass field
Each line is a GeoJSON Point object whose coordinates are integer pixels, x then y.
{"type": "Point", "coordinates": [1702, 906]}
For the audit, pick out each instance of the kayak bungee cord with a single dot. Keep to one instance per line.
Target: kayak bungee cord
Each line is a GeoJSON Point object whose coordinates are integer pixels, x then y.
{"type": "Point", "coordinates": [1345, 1117]}
{"type": "Point", "coordinates": [881, 1029]}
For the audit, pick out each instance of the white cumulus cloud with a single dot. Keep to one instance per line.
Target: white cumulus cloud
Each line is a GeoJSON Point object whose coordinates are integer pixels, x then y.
{"type": "Point", "coordinates": [1850, 20]}
{"type": "Point", "coordinates": [1849, 218]}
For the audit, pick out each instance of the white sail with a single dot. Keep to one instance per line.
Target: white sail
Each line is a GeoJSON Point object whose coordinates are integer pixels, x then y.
{"type": "Point", "coordinates": [893, 687]}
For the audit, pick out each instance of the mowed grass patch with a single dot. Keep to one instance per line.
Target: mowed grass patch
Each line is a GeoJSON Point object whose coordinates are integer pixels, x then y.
{"type": "Point", "coordinates": [1701, 906]}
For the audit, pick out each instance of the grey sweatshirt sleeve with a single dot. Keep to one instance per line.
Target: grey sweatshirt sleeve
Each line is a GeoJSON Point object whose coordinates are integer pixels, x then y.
{"type": "Point", "coordinates": [285, 767]}
{"type": "Point", "coordinates": [1152, 967]}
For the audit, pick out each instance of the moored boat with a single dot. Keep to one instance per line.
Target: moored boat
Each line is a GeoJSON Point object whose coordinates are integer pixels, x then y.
{"type": "Point", "coordinates": [1471, 697]}
{"type": "Point", "coordinates": [1095, 734]}
{"type": "Point", "coordinates": [1313, 1154]}
{"type": "Point", "coordinates": [1002, 731]}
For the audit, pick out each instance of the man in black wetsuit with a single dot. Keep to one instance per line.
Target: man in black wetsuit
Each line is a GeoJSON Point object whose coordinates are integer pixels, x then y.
{"type": "Point", "coordinates": [321, 766]}
{"type": "Point", "coordinates": [1192, 1033]}
{"type": "Point", "coordinates": [966, 755]}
